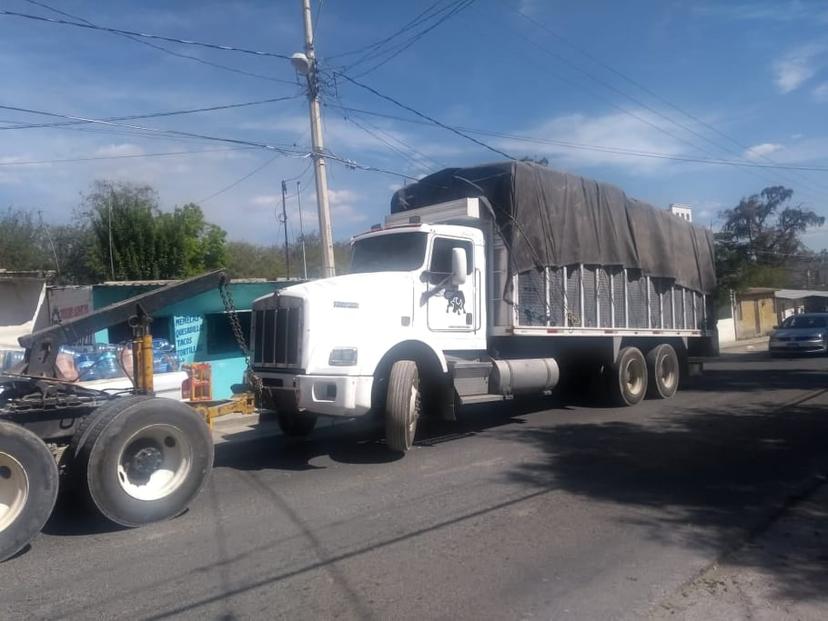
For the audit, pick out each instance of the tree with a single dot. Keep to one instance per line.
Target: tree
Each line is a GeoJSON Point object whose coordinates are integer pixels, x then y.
{"type": "Point", "coordinates": [20, 241]}
{"type": "Point", "coordinates": [135, 240]}
{"type": "Point", "coordinates": [28, 243]}
{"type": "Point", "coordinates": [246, 260]}
{"type": "Point", "coordinates": [759, 238]}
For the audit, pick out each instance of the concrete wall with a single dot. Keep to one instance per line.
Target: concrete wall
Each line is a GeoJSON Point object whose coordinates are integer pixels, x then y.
{"type": "Point", "coordinates": [727, 330]}
{"type": "Point", "coordinates": [755, 315]}
{"type": "Point", "coordinates": [22, 308]}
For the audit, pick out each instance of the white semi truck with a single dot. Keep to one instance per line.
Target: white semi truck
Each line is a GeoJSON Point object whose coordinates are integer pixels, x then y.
{"type": "Point", "coordinates": [518, 278]}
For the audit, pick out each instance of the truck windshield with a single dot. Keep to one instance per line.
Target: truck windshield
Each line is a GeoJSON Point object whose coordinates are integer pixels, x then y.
{"type": "Point", "coordinates": [398, 252]}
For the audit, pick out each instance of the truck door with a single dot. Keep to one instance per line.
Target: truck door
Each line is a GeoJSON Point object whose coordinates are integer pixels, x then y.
{"type": "Point", "coordinates": [451, 308]}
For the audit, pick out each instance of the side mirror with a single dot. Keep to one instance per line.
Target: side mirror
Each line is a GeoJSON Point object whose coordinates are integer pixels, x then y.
{"type": "Point", "coordinates": [458, 266]}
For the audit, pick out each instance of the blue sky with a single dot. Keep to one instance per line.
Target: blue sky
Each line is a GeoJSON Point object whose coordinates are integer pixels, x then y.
{"type": "Point", "coordinates": [737, 81]}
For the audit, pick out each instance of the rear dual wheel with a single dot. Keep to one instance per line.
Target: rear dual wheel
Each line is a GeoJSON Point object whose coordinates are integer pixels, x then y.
{"type": "Point", "coordinates": [628, 377]}
{"type": "Point", "coordinates": [28, 487]}
{"type": "Point", "coordinates": [663, 371]}
{"type": "Point", "coordinates": [142, 459]}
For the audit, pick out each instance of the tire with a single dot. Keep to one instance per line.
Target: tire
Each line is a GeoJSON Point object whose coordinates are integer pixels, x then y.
{"type": "Point", "coordinates": [402, 406]}
{"type": "Point", "coordinates": [28, 487]}
{"type": "Point", "coordinates": [142, 459]}
{"type": "Point", "coordinates": [628, 377]}
{"type": "Point", "coordinates": [663, 372]}
{"type": "Point", "coordinates": [296, 424]}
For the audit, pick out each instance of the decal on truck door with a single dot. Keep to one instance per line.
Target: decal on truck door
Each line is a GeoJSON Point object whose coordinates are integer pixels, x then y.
{"type": "Point", "coordinates": [451, 307]}
{"type": "Point", "coordinates": [456, 301]}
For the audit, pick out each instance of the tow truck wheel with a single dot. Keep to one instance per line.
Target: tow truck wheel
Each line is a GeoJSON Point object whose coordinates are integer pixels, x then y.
{"type": "Point", "coordinates": [402, 405]}
{"type": "Point", "coordinates": [296, 424]}
{"type": "Point", "coordinates": [628, 377]}
{"type": "Point", "coordinates": [28, 487]}
{"type": "Point", "coordinates": [143, 459]}
{"type": "Point", "coordinates": [662, 371]}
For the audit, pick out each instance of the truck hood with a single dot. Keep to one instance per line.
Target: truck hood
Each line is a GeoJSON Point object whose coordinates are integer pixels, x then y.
{"type": "Point", "coordinates": [350, 311]}
{"type": "Point", "coordinates": [354, 291]}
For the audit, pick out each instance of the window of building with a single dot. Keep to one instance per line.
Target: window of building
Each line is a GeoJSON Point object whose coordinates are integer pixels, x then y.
{"type": "Point", "coordinates": [441, 258]}
{"type": "Point", "coordinates": [220, 338]}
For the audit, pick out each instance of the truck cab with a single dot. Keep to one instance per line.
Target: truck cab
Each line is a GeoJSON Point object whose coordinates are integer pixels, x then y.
{"type": "Point", "coordinates": [416, 291]}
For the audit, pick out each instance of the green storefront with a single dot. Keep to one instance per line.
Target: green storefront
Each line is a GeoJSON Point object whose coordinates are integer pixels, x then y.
{"type": "Point", "coordinates": [198, 328]}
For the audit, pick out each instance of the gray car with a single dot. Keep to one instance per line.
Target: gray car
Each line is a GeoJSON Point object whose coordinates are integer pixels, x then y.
{"type": "Point", "coordinates": [805, 333]}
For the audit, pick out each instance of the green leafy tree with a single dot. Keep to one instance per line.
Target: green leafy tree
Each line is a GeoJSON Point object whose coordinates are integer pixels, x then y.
{"type": "Point", "coordinates": [759, 238]}
{"type": "Point", "coordinates": [246, 260]}
{"type": "Point", "coordinates": [21, 245]}
{"type": "Point", "coordinates": [28, 243]}
{"type": "Point", "coordinates": [135, 240]}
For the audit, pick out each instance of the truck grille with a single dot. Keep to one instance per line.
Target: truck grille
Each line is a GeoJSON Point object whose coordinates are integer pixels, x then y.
{"type": "Point", "coordinates": [277, 334]}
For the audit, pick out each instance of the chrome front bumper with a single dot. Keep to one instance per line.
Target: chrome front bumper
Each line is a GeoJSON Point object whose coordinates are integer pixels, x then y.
{"type": "Point", "coordinates": [328, 395]}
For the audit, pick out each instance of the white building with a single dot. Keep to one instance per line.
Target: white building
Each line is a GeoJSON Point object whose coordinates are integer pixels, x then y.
{"type": "Point", "coordinates": [685, 212]}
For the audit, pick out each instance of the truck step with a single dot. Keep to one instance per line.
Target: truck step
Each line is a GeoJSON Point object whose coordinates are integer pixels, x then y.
{"type": "Point", "coordinates": [470, 377]}
{"type": "Point", "coordinates": [472, 399]}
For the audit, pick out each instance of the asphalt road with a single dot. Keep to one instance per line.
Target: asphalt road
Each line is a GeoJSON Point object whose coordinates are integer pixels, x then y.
{"type": "Point", "coordinates": [571, 511]}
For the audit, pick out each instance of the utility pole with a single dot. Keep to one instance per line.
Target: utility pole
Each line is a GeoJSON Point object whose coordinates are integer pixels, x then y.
{"type": "Point", "coordinates": [284, 222]}
{"type": "Point", "coordinates": [306, 64]}
{"type": "Point", "coordinates": [301, 227]}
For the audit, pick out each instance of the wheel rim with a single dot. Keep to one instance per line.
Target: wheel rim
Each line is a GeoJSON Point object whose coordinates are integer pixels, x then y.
{"type": "Point", "coordinates": [154, 462]}
{"type": "Point", "coordinates": [667, 372]}
{"type": "Point", "coordinates": [634, 377]}
{"type": "Point", "coordinates": [414, 412]}
{"type": "Point", "coordinates": [14, 490]}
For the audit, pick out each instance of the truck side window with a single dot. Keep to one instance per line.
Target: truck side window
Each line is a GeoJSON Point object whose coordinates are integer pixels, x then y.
{"type": "Point", "coordinates": [440, 265]}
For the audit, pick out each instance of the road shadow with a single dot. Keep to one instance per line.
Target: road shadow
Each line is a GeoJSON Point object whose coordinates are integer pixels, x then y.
{"type": "Point", "coordinates": [710, 478]}
{"type": "Point", "coordinates": [361, 441]}
{"type": "Point", "coordinates": [74, 517]}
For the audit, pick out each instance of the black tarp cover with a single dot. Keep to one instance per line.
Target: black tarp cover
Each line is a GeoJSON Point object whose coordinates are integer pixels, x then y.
{"type": "Point", "coordinates": [552, 219]}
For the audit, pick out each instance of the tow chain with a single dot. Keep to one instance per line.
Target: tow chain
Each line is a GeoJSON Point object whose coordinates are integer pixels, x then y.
{"type": "Point", "coordinates": [233, 317]}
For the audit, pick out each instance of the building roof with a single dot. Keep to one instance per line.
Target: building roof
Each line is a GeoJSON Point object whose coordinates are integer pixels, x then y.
{"type": "Point", "coordinates": [760, 290]}
{"type": "Point", "coordinates": [799, 294]}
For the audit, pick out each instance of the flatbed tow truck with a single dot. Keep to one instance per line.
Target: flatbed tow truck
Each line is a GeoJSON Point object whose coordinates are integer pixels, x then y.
{"type": "Point", "coordinates": [134, 457]}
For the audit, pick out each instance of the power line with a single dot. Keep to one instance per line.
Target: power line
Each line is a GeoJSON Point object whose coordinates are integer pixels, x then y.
{"type": "Point", "coordinates": [419, 18]}
{"type": "Point", "coordinates": [598, 148]}
{"type": "Point", "coordinates": [93, 158]}
{"type": "Point", "coordinates": [425, 116]}
{"type": "Point", "coordinates": [283, 150]}
{"type": "Point", "coordinates": [212, 46]}
{"type": "Point", "coordinates": [639, 85]}
{"type": "Point", "coordinates": [258, 168]}
{"type": "Point", "coordinates": [166, 50]}
{"type": "Point", "coordinates": [151, 115]}
{"type": "Point", "coordinates": [354, 165]}
{"type": "Point", "coordinates": [393, 148]}
{"type": "Point", "coordinates": [456, 8]}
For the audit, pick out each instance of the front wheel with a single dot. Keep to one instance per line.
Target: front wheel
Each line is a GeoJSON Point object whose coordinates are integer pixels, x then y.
{"type": "Point", "coordinates": [143, 460]}
{"type": "Point", "coordinates": [28, 487]}
{"type": "Point", "coordinates": [402, 405]}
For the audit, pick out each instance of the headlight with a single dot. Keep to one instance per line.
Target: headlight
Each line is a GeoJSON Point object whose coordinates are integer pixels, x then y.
{"type": "Point", "coordinates": [343, 357]}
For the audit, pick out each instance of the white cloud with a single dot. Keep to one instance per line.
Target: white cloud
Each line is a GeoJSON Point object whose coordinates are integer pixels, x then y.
{"type": "Point", "coordinates": [758, 151]}
{"type": "Point", "coordinates": [593, 141]}
{"type": "Point", "coordinates": [820, 93]}
{"type": "Point", "coordinates": [344, 205]}
{"type": "Point", "coordinates": [265, 200]}
{"type": "Point", "coordinates": [124, 148]}
{"type": "Point", "coordinates": [769, 10]}
{"type": "Point", "coordinates": [798, 66]}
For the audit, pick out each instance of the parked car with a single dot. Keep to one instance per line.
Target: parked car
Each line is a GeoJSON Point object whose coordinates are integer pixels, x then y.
{"type": "Point", "coordinates": [805, 333]}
